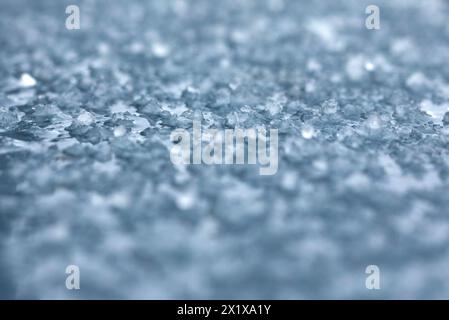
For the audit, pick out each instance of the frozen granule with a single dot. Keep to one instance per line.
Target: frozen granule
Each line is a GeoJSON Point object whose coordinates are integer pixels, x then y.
{"type": "Point", "coordinates": [310, 86]}
{"type": "Point", "coordinates": [417, 80]}
{"type": "Point", "coordinates": [435, 111]}
{"type": "Point", "coordinates": [374, 122]}
{"type": "Point", "coordinates": [308, 132]}
{"type": "Point", "coordinates": [120, 107]}
{"type": "Point", "coordinates": [222, 97]}
{"type": "Point", "coordinates": [185, 200]}
{"type": "Point", "coordinates": [355, 67]}
{"type": "Point", "coordinates": [159, 49]}
{"type": "Point", "coordinates": [275, 104]}
{"type": "Point", "coordinates": [369, 66]}
{"type": "Point", "coordinates": [85, 118]}
{"type": "Point", "coordinates": [119, 131]}
{"type": "Point", "coordinates": [175, 110]}
{"type": "Point", "coordinates": [313, 65]}
{"type": "Point", "coordinates": [27, 81]}
{"type": "Point", "coordinates": [330, 106]}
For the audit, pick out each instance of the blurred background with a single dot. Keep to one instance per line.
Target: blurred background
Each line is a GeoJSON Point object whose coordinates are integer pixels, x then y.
{"type": "Point", "coordinates": [86, 178]}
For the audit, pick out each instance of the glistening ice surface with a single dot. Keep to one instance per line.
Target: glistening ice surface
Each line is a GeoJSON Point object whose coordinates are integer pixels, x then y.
{"type": "Point", "coordinates": [86, 178]}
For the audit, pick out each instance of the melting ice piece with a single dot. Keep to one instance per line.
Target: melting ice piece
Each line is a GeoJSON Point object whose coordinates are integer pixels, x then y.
{"type": "Point", "coordinates": [175, 110]}
{"type": "Point", "coordinates": [355, 67]}
{"type": "Point", "coordinates": [418, 80]}
{"type": "Point", "coordinates": [140, 124]}
{"type": "Point", "coordinates": [86, 118]}
{"type": "Point", "coordinates": [160, 50]}
{"type": "Point", "coordinates": [327, 31]}
{"type": "Point", "coordinates": [119, 131]}
{"type": "Point", "coordinates": [121, 107]}
{"type": "Point", "coordinates": [308, 132]}
{"type": "Point", "coordinates": [436, 111]}
{"type": "Point", "coordinates": [27, 81]}
{"type": "Point", "coordinates": [369, 66]}
{"type": "Point", "coordinates": [313, 65]}
{"type": "Point", "coordinates": [374, 122]}
{"type": "Point", "coordinates": [185, 201]}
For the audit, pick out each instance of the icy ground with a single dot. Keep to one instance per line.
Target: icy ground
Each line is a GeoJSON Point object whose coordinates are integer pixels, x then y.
{"type": "Point", "coordinates": [85, 175]}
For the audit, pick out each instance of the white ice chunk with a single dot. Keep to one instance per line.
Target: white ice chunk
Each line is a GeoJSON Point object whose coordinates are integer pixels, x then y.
{"type": "Point", "coordinates": [160, 50]}
{"type": "Point", "coordinates": [86, 118]}
{"type": "Point", "coordinates": [436, 111]}
{"type": "Point", "coordinates": [27, 81]}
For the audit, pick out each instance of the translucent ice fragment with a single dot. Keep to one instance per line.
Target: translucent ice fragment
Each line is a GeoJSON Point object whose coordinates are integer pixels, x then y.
{"type": "Point", "coordinates": [322, 29]}
{"type": "Point", "coordinates": [369, 66]}
{"type": "Point", "coordinates": [185, 201]}
{"type": "Point", "coordinates": [276, 103]}
{"type": "Point", "coordinates": [27, 81]}
{"type": "Point", "coordinates": [140, 124]}
{"type": "Point", "coordinates": [120, 107]}
{"type": "Point", "coordinates": [373, 122]}
{"type": "Point", "coordinates": [160, 50]}
{"type": "Point", "coordinates": [436, 111]}
{"type": "Point", "coordinates": [120, 131]}
{"type": "Point", "coordinates": [175, 110]}
{"type": "Point", "coordinates": [85, 118]}
{"type": "Point", "coordinates": [355, 67]}
{"type": "Point", "coordinates": [308, 132]}
{"type": "Point", "coordinates": [330, 106]}
{"type": "Point", "coordinates": [417, 80]}
{"type": "Point", "coordinates": [313, 65]}
{"type": "Point", "coordinates": [327, 31]}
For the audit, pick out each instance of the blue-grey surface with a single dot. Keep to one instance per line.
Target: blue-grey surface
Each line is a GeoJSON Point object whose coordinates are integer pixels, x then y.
{"type": "Point", "coordinates": [86, 178]}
